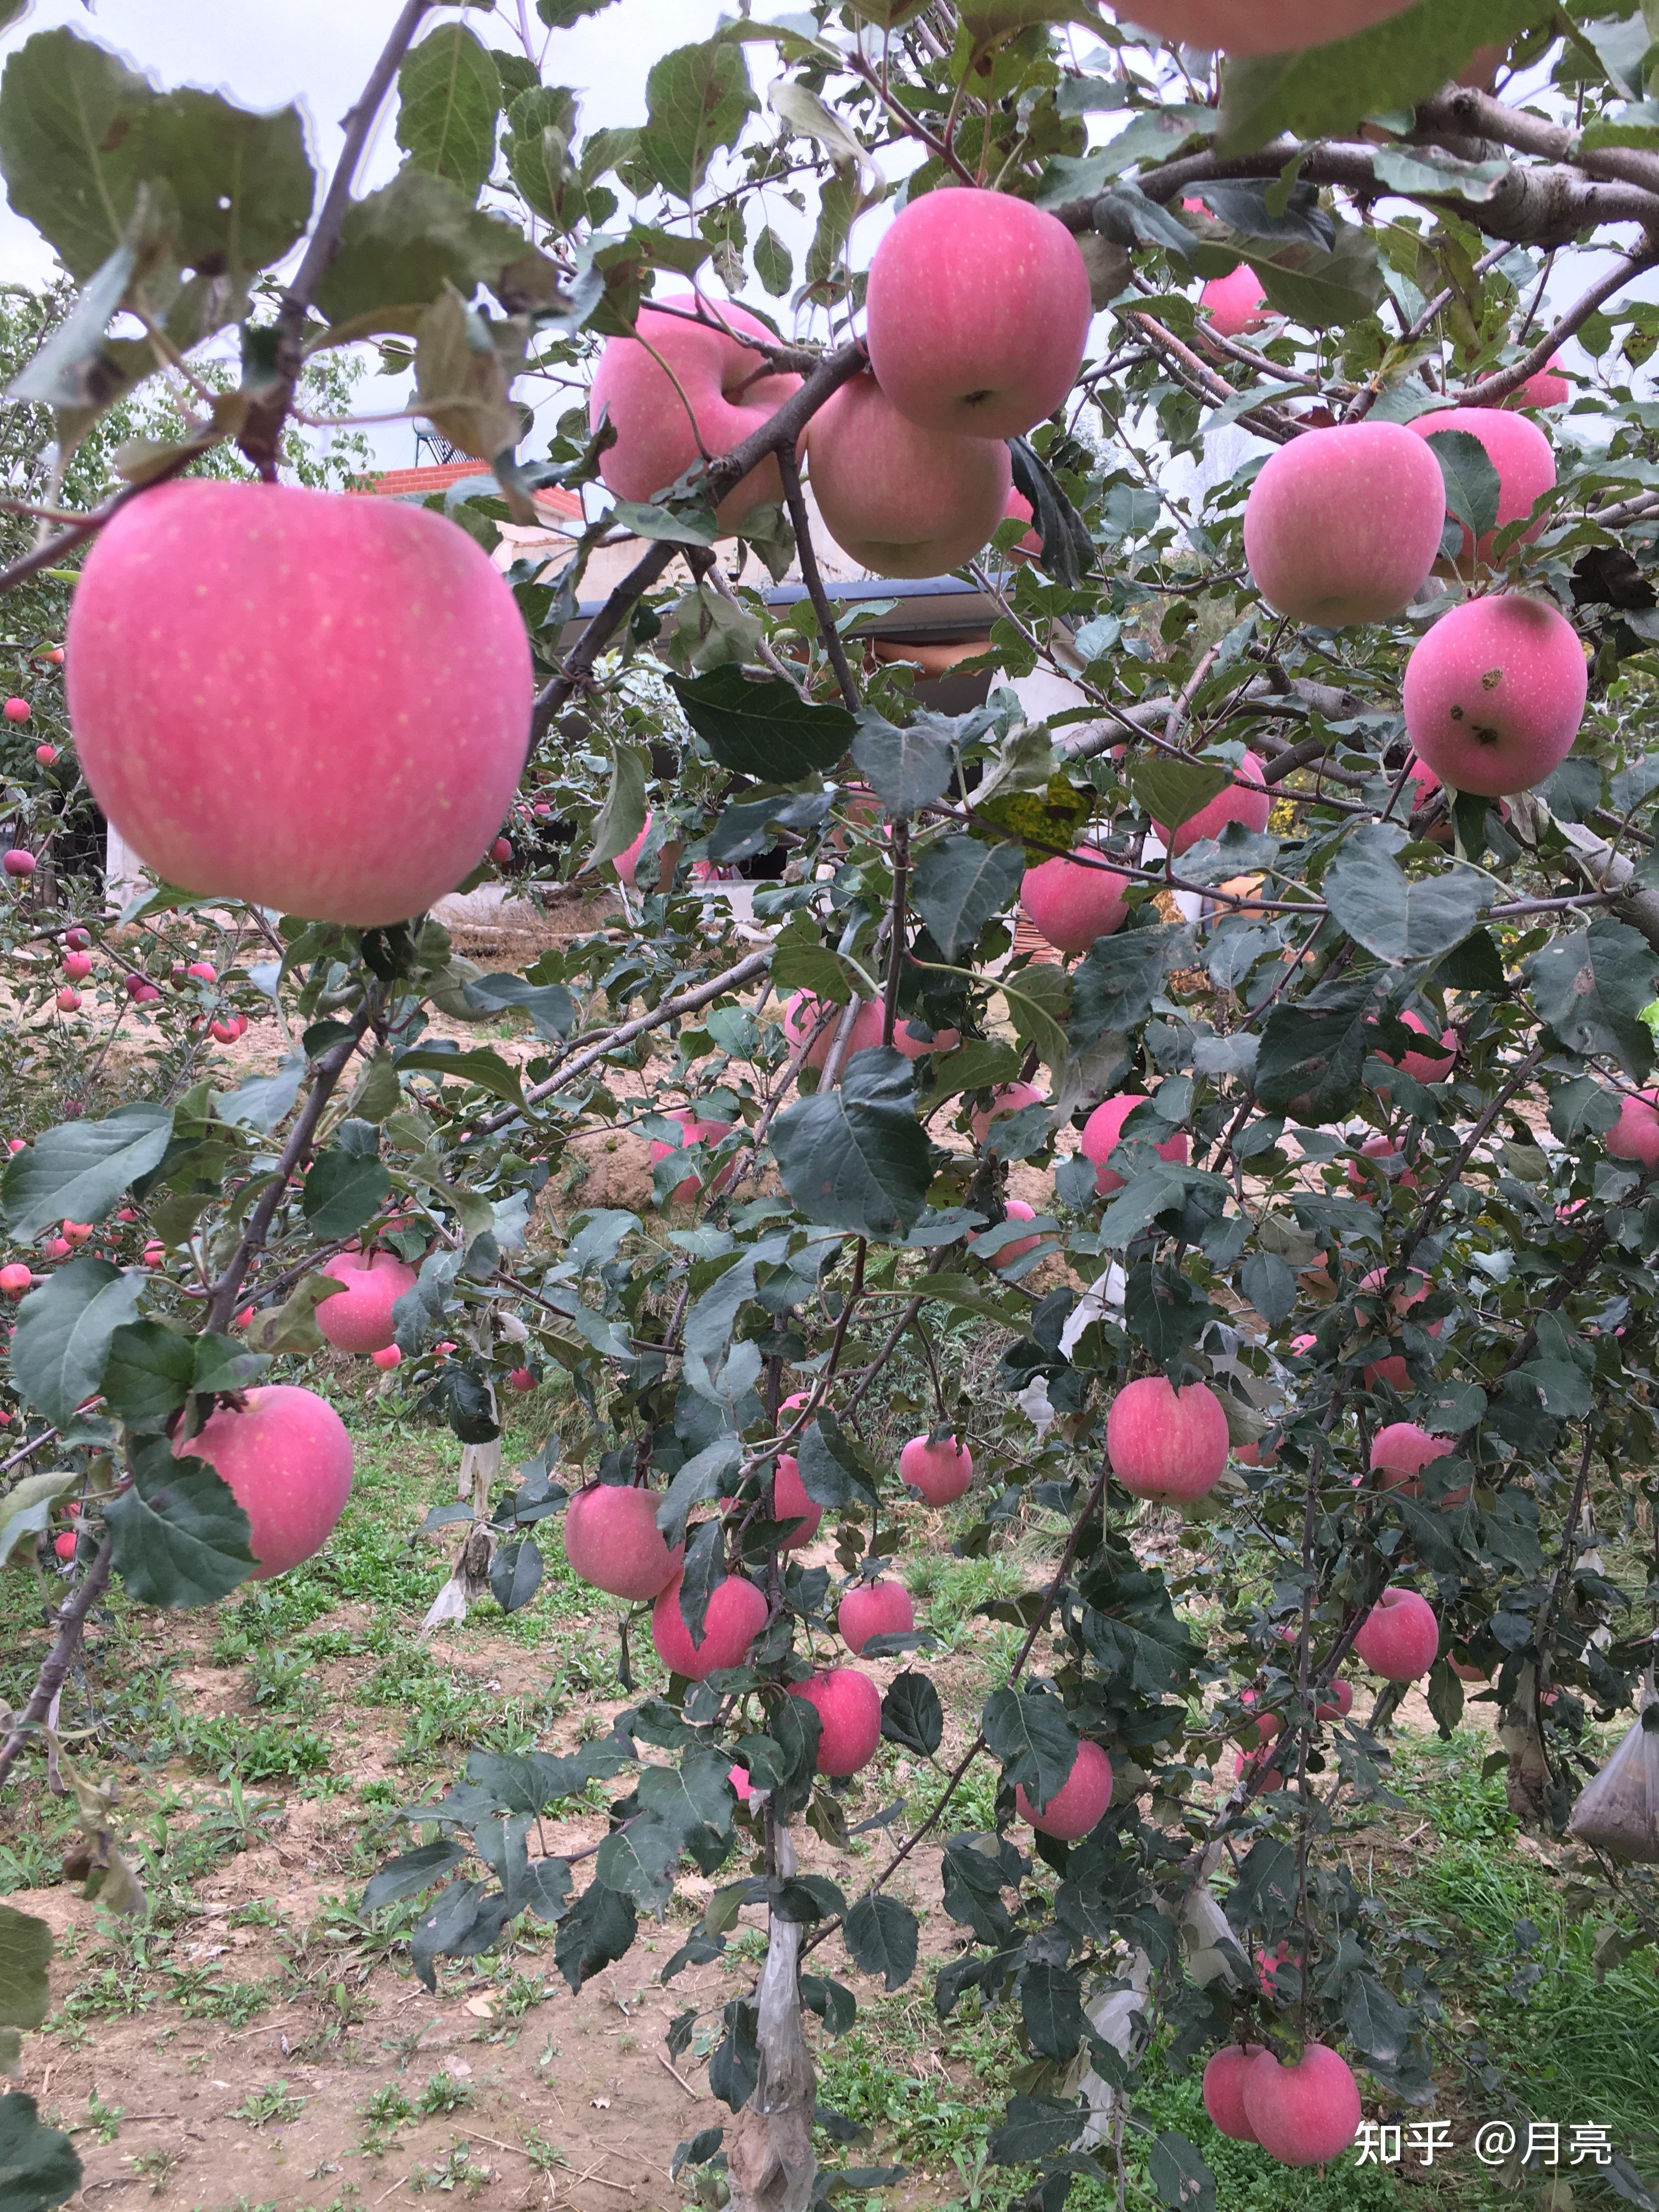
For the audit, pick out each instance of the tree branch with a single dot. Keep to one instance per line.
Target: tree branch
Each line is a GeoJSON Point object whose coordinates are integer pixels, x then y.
{"type": "Point", "coordinates": [55, 1671]}
{"type": "Point", "coordinates": [811, 576]}
{"type": "Point", "coordinates": [1493, 389]}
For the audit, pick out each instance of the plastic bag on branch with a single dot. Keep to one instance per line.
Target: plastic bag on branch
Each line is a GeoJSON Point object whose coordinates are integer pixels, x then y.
{"type": "Point", "coordinates": [1112, 2015]}
{"type": "Point", "coordinates": [1619, 1811]}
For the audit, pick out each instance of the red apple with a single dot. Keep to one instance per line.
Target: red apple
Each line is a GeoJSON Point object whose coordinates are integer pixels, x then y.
{"type": "Point", "coordinates": [978, 311]}
{"type": "Point", "coordinates": [802, 1015]}
{"type": "Point", "coordinates": [941, 1471]}
{"type": "Point", "coordinates": [1400, 1637]}
{"type": "Point", "coordinates": [681, 393]}
{"type": "Point", "coordinates": [287, 1459]}
{"type": "Point", "coordinates": [77, 940]}
{"type": "Point", "coordinates": [1256, 26]}
{"type": "Point", "coordinates": [1073, 901]}
{"type": "Point", "coordinates": [46, 755]}
{"type": "Point", "coordinates": [17, 862]}
{"type": "Point", "coordinates": [203, 971]}
{"type": "Point", "coordinates": [1495, 693]}
{"type": "Point", "coordinates": [696, 1132]}
{"type": "Point", "coordinates": [60, 1249]}
{"type": "Point", "coordinates": [153, 1255]}
{"type": "Point", "coordinates": [878, 1608]}
{"type": "Point", "coordinates": [1548, 388]}
{"type": "Point", "coordinates": [1104, 1131]}
{"type": "Point", "coordinates": [1341, 1692]}
{"type": "Point", "coordinates": [1392, 1160]}
{"type": "Point", "coordinates": [1165, 1444]}
{"type": "Point", "coordinates": [1224, 2089]}
{"type": "Point", "coordinates": [16, 1145]}
{"type": "Point", "coordinates": [1076, 1807]}
{"type": "Point", "coordinates": [387, 1356]}
{"type": "Point", "coordinates": [359, 1318]}
{"type": "Point", "coordinates": [78, 966]}
{"type": "Point", "coordinates": [263, 669]}
{"type": "Point", "coordinates": [1400, 1453]}
{"type": "Point", "coordinates": [1008, 1098]}
{"type": "Point", "coordinates": [1344, 526]}
{"type": "Point", "coordinates": [77, 1232]}
{"type": "Point", "coordinates": [1018, 509]}
{"type": "Point", "coordinates": [738, 1777]}
{"type": "Point", "coordinates": [791, 1503]}
{"type": "Point", "coordinates": [1516, 449]}
{"type": "Point", "coordinates": [501, 851]}
{"type": "Point", "coordinates": [69, 1001]}
{"type": "Point", "coordinates": [1235, 304]}
{"type": "Point", "coordinates": [15, 710]}
{"type": "Point", "coordinates": [848, 1707]}
{"type": "Point", "coordinates": [1306, 2114]}
{"type": "Point", "coordinates": [736, 1616]}
{"type": "Point", "coordinates": [521, 1378]}
{"type": "Point", "coordinates": [1635, 1134]}
{"type": "Point", "coordinates": [63, 1546]}
{"type": "Point", "coordinates": [898, 499]}
{"type": "Point", "coordinates": [1246, 799]}
{"type": "Point", "coordinates": [1426, 1067]}
{"type": "Point", "coordinates": [916, 1039]}
{"type": "Point", "coordinates": [612, 1541]}
{"type": "Point", "coordinates": [16, 1280]}
{"type": "Point", "coordinates": [1015, 1209]}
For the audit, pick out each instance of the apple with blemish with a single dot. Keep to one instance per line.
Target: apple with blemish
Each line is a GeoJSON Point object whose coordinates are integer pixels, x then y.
{"type": "Point", "coordinates": [1495, 693]}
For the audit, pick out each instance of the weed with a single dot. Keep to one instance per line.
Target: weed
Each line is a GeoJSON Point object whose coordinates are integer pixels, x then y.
{"type": "Point", "coordinates": [442, 2094]}
{"type": "Point", "coordinates": [459, 2170]}
{"type": "Point", "coordinates": [104, 2120]}
{"type": "Point", "coordinates": [270, 2106]}
{"type": "Point", "coordinates": [156, 2167]}
{"type": "Point", "coordinates": [272, 1752]}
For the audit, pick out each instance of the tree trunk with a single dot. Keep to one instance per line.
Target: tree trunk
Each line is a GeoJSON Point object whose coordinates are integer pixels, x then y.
{"type": "Point", "coordinates": [770, 2144]}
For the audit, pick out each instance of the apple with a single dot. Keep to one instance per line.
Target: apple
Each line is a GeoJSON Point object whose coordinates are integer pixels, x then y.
{"type": "Point", "coordinates": [1165, 1444]}
{"type": "Point", "coordinates": [627, 861]}
{"type": "Point", "coordinates": [940, 1470]}
{"type": "Point", "coordinates": [1516, 449]}
{"type": "Point", "coordinates": [1402, 1450]}
{"type": "Point", "coordinates": [15, 710]}
{"type": "Point", "coordinates": [791, 1503]}
{"type": "Point", "coordinates": [1008, 1098]}
{"type": "Point", "coordinates": [203, 971]}
{"type": "Point", "coordinates": [1072, 902]}
{"type": "Point", "coordinates": [848, 1707]}
{"type": "Point", "coordinates": [681, 390]}
{"type": "Point", "coordinates": [1635, 1134]}
{"type": "Point", "coordinates": [612, 1541]}
{"type": "Point", "coordinates": [387, 1356]}
{"type": "Point", "coordinates": [60, 1249]}
{"type": "Point", "coordinates": [78, 966]}
{"type": "Point", "coordinates": [1305, 2114]}
{"type": "Point", "coordinates": [1466, 1672]}
{"type": "Point", "coordinates": [1245, 800]}
{"type": "Point", "coordinates": [77, 1232]}
{"type": "Point", "coordinates": [54, 654]}
{"type": "Point", "coordinates": [63, 1546]}
{"type": "Point", "coordinates": [153, 1255]}
{"type": "Point", "coordinates": [1344, 526]}
{"type": "Point", "coordinates": [1400, 1637]}
{"type": "Point", "coordinates": [1255, 1455]}
{"type": "Point", "coordinates": [1424, 1066]}
{"type": "Point", "coordinates": [1341, 1690]}
{"type": "Point", "coordinates": [16, 1145]}
{"type": "Point", "coordinates": [263, 669]}
{"type": "Point", "coordinates": [16, 1280]}
{"type": "Point", "coordinates": [898, 499]}
{"type": "Point", "coordinates": [287, 1457]}
{"type": "Point", "coordinates": [1548, 388]}
{"type": "Point", "coordinates": [359, 1318]}
{"type": "Point", "coordinates": [1018, 509]}
{"type": "Point", "coordinates": [69, 1000]}
{"type": "Point", "coordinates": [1076, 1807]}
{"type": "Point", "coordinates": [1495, 693]}
{"type": "Point", "coordinates": [696, 1132]}
{"type": "Point", "coordinates": [977, 312]}
{"type": "Point", "coordinates": [916, 1039]}
{"type": "Point", "coordinates": [46, 755]}
{"type": "Point", "coordinates": [1015, 1209]}
{"type": "Point", "coordinates": [738, 1777]}
{"type": "Point", "coordinates": [736, 1616]}
{"type": "Point", "coordinates": [1256, 26]}
{"type": "Point", "coordinates": [1248, 1764]}
{"type": "Point", "coordinates": [882, 1607]}
{"type": "Point", "coordinates": [77, 940]}
{"type": "Point", "coordinates": [17, 862]}
{"type": "Point", "coordinates": [1392, 1160]}
{"type": "Point", "coordinates": [1235, 304]}
{"type": "Point", "coordinates": [802, 1015]}
{"type": "Point", "coordinates": [1104, 1131]}
{"type": "Point", "coordinates": [521, 1378]}
{"type": "Point", "coordinates": [1224, 2089]}
{"type": "Point", "coordinates": [500, 852]}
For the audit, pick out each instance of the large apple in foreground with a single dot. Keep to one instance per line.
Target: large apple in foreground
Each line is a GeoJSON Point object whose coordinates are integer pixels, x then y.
{"type": "Point", "coordinates": [1344, 526]}
{"type": "Point", "coordinates": [1257, 26]}
{"type": "Point", "coordinates": [1303, 2115]}
{"type": "Point", "coordinates": [1165, 1444]}
{"type": "Point", "coordinates": [899, 500]}
{"type": "Point", "coordinates": [1495, 693]}
{"type": "Point", "coordinates": [1224, 2089]}
{"type": "Point", "coordinates": [612, 1541]}
{"type": "Point", "coordinates": [978, 313]}
{"type": "Point", "coordinates": [359, 1318]}
{"type": "Point", "coordinates": [314, 702]}
{"type": "Point", "coordinates": [1400, 1637]}
{"type": "Point", "coordinates": [685, 384]}
{"type": "Point", "coordinates": [287, 1458]}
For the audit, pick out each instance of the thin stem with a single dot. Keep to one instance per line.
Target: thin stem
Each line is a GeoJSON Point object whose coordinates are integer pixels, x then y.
{"type": "Point", "coordinates": [811, 576]}
{"type": "Point", "coordinates": [71, 1621]}
{"type": "Point", "coordinates": [897, 942]}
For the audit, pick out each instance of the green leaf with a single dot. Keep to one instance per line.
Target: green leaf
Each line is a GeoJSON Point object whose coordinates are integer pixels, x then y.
{"type": "Point", "coordinates": [1179, 2174]}
{"type": "Point", "coordinates": [147, 1374]}
{"type": "Point", "coordinates": [1113, 989]}
{"type": "Point", "coordinates": [856, 1158]}
{"type": "Point", "coordinates": [1035, 1741]}
{"type": "Point", "coordinates": [400, 246]}
{"type": "Point", "coordinates": [1590, 987]}
{"type": "Point", "coordinates": [540, 124]}
{"type": "Point", "coordinates": [1051, 2005]}
{"type": "Point", "coordinates": [550, 1007]}
{"type": "Point", "coordinates": [70, 147]}
{"type": "Point", "coordinates": [697, 98]}
{"type": "Point", "coordinates": [412, 1872]}
{"type": "Point", "coordinates": [638, 1861]}
{"type": "Point", "coordinates": [989, 22]}
{"type": "Point", "coordinates": [243, 182]}
{"type": "Point", "coordinates": [26, 1507]}
{"type": "Point", "coordinates": [959, 884]}
{"type": "Point", "coordinates": [1325, 90]}
{"type": "Point", "coordinates": [1397, 917]}
{"type": "Point", "coordinates": [1035, 2128]}
{"type": "Point", "coordinates": [1472, 482]}
{"type": "Point", "coordinates": [773, 262]}
{"type": "Point", "coordinates": [260, 1102]}
{"type": "Point", "coordinates": [562, 15]}
{"type": "Point", "coordinates": [764, 729]}
{"type": "Point", "coordinates": [911, 1714]}
{"type": "Point", "coordinates": [180, 1538]}
{"type": "Point", "coordinates": [481, 1067]}
{"type": "Point", "coordinates": [622, 817]}
{"type": "Point", "coordinates": [515, 1574]}
{"type": "Point", "coordinates": [77, 1171]}
{"type": "Point", "coordinates": [701, 1576]}
{"type": "Point", "coordinates": [1172, 791]}
{"type": "Point", "coordinates": [344, 1191]}
{"type": "Point", "coordinates": [38, 2166]}
{"type": "Point", "coordinates": [1309, 1062]}
{"type": "Point", "coordinates": [1037, 1022]}
{"type": "Point", "coordinates": [292, 1327]}
{"type": "Point", "coordinates": [881, 1936]}
{"type": "Point", "coordinates": [461, 381]}
{"type": "Point", "coordinates": [906, 769]}
{"type": "Point", "coordinates": [831, 1467]}
{"type": "Point", "coordinates": [1326, 291]}
{"type": "Point", "coordinates": [449, 96]}
{"type": "Point", "coordinates": [1378, 2023]}
{"type": "Point", "coordinates": [696, 1794]}
{"type": "Point", "coordinates": [63, 1335]}
{"type": "Point", "coordinates": [25, 1956]}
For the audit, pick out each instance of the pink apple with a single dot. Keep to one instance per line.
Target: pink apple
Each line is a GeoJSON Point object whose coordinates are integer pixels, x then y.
{"type": "Point", "coordinates": [848, 1707]}
{"type": "Point", "coordinates": [738, 1777]}
{"type": "Point", "coordinates": [16, 1145]}
{"type": "Point", "coordinates": [63, 1546]}
{"type": "Point", "coordinates": [1344, 526]}
{"type": "Point", "coordinates": [69, 1000]}
{"type": "Point", "coordinates": [78, 966]}
{"type": "Point", "coordinates": [521, 1378]}
{"type": "Point", "coordinates": [1548, 388]}
{"type": "Point", "coordinates": [46, 755]}
{"type": "Point", "coordinates": [153, 1255]}
{"type": "Point", "coordinates": [60, 1249]}
{"type": "Point", "coordinates": [17, 862]}
{"type": "Point", "coordinates": [1073, 901]}
{"type": "Point", "coordinates": [1235, 304]}
{"type": "Point", "coordinates": [359, 1318]}
{"type": "Point", "coordinates": [1224, 2089]}
{"type": "Point", "coordinates": [1008, 1098]}
{"type": "Point", "coordinates": [1400, 1637]}
{"type": "Point", "coordinates": [1341, 1692]}
{"type": "Point", "coordinates": [1255, 1455]}
{"type": "Point", "coordinates": [1245, 800]}
{"type": "Point", "coordinates": [1306, 2114]}
{"type": "Point", "coordinates": [15, 710]}
{"type": "Point", "coordinates": [978, 311]}
{"type": "Point", "coordinates": [878, 1608]}
{"type": "Point", "coordinates": [1256, 26]}
{"type": "Point", "coordinates": [791, 1503]}
{"type": "Point", "coordinates": [77, 1232]}
{"type": "Point", "coordinates": [1018, 509]}
{"type": "Point", "coordinates": [941, 1471]}
{"type": "Point", "coordinates": [1250, 1765]}
{"type": "Point", "coordinates": [1495, 693]}
{"type": "Point", "coordinates": [16, 1280]}
{"type": "Point", "coordinates": [203, 971]}
{"type": "Point", "coordinates": [1165, 1444]}
{"type": "Point", "coordinates": [501, 851]}
{"type": "Point", "coordinates": [736, 1616]}
{"type": "Point", "coordinates": [802, 1015]}
{"type": "Point", "coordinates": [1635, 1134]}
{"type": "Point", "coordinates": [627, 862]}
{"type": "Point", "coordinates": [1076, 1807]}
{"type": "Point", "coordinates": [1103, 1132]}
{"type": "Point", "coordinates": [1400, 1451]}
{"type": "Point", "coordinates": [1392, 1161]}
{"type": "Point", "coordinates": [1015, 1209]}
{"type": "Point", "coordinates": [388, 1357]}
{"type": "Point", "coordinates": [612, 1541]}
{"type": "Point", "coordinates": [287, 1460]}
{"type": "Point", "coordinates": [687, 390]}
{"type": "Point", "coordinates": [1425, 1067]}
{"type": "Point", "coordinates": [696, 1132]}
{"type": "Point", "coordinates": [916, 1039]}
{"type": "Point", "coordinates": [1466, 1672]}
{"type": "Point", "coordinates": [1516, 449]}
{"type": "Point", "coordinates": [898, 499]}
{"type": "Point", "coordinates": [387, 679]}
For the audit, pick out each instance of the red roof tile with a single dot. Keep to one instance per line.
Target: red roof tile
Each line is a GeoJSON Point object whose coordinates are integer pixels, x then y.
{"type": "Point", "coordinates": [404, 483]}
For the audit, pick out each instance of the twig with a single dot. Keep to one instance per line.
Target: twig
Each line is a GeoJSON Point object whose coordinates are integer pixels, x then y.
{"type": "Point", "coordinates": [70, 1623]}
{"type": "Point", "coordinates": [1499, 386]}
{"type": "Point", "coordinates": [789, 469]}
{"type": "Point", "coordinates": [897, 946]}
{"type": "Point", "coordinates": [680, 2078]}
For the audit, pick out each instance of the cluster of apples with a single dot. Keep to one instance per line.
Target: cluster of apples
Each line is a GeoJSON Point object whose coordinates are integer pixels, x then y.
{"type": "Point", "coordinates": [977, 313]}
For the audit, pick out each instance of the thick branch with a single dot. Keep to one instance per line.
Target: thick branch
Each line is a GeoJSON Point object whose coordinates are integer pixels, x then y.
{"type": "Point", "coordinates": [53, 1674]}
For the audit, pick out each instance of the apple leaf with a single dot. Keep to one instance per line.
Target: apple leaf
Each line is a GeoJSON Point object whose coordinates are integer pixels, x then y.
{"type": "Point", "coordinates": [764, 729]}
{"type": "Point", "coordinates": [856, 1158]}
{"type": "Point", "coordinates": [959, 884]}
{"type": "Point", "coordinates": [39, 2165]}
{"type": "Point", "coordinates": [180, 1538]}
{"type": "Point", "coordinates": [62, 1339]}
{"type": "Point", "coordinates": [400, 246]}
{"type": "Point", "coordinates": [697, 98]}
{"type": "Point", "coordinates": [1397, 917]}
{"type": "Point", "coordinates": [70, 148]}
{"type": "Point", "coordinates": [449, 95]}
{"type": "Point", "coordinates": [1472, 488]}
{"type": "Point", "coordinates": [1034, 1739]}
{"type": "Point", "coordinates": [881, 1937]}
{"type": "Point", "coordinates": [77, 1171]}
{"type": "Point", "coordinates": [243, 181]}
{"type": "Point", "coordinates": [25, 1955]}
{"type": "Point", "coordinates": [26, 1507]}
{"type": "Point", "coordinates": [1590, 985]}
{"type": "Point", "coordinates": [623, 816]}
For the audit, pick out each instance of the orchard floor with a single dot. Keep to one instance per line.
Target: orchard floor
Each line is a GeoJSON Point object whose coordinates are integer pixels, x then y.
{"type": "Point", "coordinates": [259, 2045]}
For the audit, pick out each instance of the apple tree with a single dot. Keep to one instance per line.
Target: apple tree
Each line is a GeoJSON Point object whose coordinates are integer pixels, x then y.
{"type": "Point", "coordinates": [1236, 386]}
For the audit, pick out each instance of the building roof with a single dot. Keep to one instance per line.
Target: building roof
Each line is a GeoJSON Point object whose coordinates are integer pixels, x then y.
{"type": "Point", "coordinates": [420, 483]}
